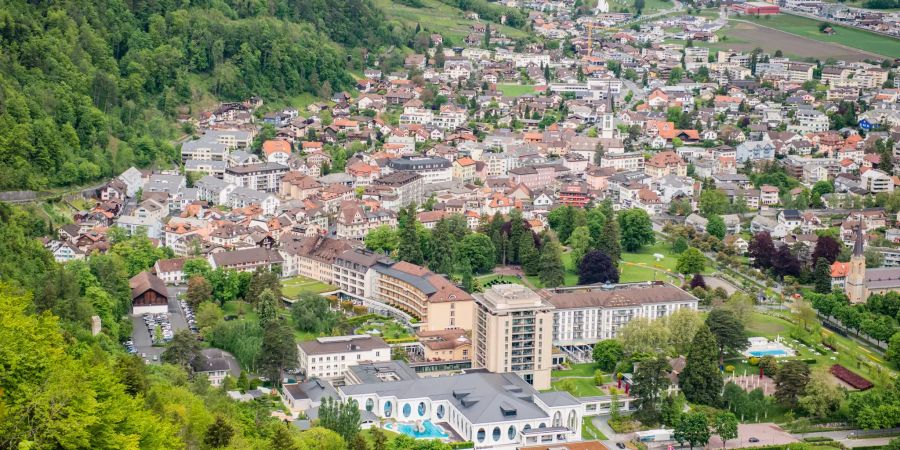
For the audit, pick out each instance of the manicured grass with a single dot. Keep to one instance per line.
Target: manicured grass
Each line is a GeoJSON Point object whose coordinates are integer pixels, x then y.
{"type": "Point", "coordinates": [850, 37]}
{"type": "Point", "coordinates": [583, 387]}
{"type": "Point", "coordinates": [635, 267]}
{"type": "Point", "coordinates": [295, 286]}
{"type": "Point", "coordinates": [387, 329]}
{"type": "Point", "coordinates": [515, 90]}
{"type": "Point", "coordinates": [577, 370]}
{"type": "Point", "coordinates": [589, 431]}
{"type": "Point", "coordinates": [508, 279]}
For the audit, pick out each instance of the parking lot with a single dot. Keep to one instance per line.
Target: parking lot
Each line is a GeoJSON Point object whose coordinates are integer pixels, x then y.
{"type": "Point", "coordinates": [142, 342]}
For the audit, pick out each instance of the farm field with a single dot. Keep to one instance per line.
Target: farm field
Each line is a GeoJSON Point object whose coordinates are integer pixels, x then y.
{"type": "Point", "coordinates": [436, 16]}
{"type": "Point", "coordinates": [781, 33]}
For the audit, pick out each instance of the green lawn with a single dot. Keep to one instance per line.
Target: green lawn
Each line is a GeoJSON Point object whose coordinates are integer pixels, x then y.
{"type": "Point", "coordinates": [637, 266]}
{"type": "Point", "coordinates": [438, 17]}
{"type": "Point", "coordinates": [848, 354]}
{"type": "Point", "coordinates": [293, 287]}
{"type": "Point", "coordinates": [239, 309]}
{"type": "Point", "coordinates": [503, 279]}
{"type": "Point", "coordinates": [589, 431]}
{"type": "Point", "coordinates": [850, 37]}
{"type": "Point", "coordinates": [515, 90]}
{"type": "Point", "coordinates": [577, 370]}
{"type": "Point", "coordinates": [387, 329]}
{"type": "Point", "coordinates": [583, 387]}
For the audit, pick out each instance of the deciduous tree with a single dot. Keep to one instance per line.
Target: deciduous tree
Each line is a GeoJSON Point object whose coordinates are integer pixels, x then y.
{"type": "Point", "coordinates": [607, 353]}
{"type": "Point", "coordinates": [636, 229]}
{"type": "Point", "coordinates": [726, 426]}
{"type": "Point", "coordinates": [691, 261]}
{"type": "Point", "coordinates": [597, 267]}
{"type": "Point", "coordinates": [692, 428]}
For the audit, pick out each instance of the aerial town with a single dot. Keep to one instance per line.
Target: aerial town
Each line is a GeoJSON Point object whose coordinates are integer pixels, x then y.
{"type": "Point", "coordinates": [625, 230]}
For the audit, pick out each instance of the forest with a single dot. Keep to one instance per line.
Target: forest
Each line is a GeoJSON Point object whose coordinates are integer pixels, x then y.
{"type": "Point", "coordinates": [89, 88]}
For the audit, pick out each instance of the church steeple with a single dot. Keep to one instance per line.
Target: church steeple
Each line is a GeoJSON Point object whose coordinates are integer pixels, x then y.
{"type": "Point", "coordinates": [855, 285]}
{"type": "Point", "coordinates": [859, 244]}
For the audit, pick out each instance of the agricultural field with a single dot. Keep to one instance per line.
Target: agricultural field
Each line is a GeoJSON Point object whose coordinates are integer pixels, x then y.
{"type": "Point", "coordinates": [295, 286]}
{"type": "Point", "coordinates": [800, 36]}
{"type": "Point", "coordinates": [438, 17]}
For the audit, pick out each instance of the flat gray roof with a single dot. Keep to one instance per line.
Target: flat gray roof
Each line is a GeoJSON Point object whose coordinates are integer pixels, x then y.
{"type": "Point", "coordinates": [482, 397]}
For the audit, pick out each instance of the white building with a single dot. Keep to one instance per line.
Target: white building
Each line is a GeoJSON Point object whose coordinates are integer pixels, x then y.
{"type": "Point", "coordinates": [492, 410]}
{"type": "Point", "coordinates": [329, 357]}
{"type": "Point", "coordinates": [584, 316]}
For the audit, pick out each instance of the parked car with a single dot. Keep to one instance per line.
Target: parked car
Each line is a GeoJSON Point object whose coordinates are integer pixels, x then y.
{"type": "Point", "coordinates": [753, 439]}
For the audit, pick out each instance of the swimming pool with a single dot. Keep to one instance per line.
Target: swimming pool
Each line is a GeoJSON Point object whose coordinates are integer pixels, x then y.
{"type": "Point", "coordinates": [773, 352]}
{"type": "Point", "coordinates": [429, 430]}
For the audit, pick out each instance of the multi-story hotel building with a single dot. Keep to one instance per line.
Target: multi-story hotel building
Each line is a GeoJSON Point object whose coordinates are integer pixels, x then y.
{"type": "Point", "coordinates": [588, 314]}
{"type": "Point", "coordinates": [513, 332]}
{"type": "Point", "coordinates": [433, 299]}
{"type": "Point", "coordinates": [329, 357]}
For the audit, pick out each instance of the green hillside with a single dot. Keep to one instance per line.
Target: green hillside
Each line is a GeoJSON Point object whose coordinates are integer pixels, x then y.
{"type": "Point", "coordinates": [91, 87]}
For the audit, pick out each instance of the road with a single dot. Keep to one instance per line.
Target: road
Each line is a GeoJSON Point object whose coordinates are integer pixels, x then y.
{"type": "Point", "coordinates": [141, 335]}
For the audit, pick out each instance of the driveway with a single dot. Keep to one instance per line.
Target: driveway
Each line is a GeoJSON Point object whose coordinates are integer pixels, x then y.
{"type": "Point", "coordinates": [613, 437]}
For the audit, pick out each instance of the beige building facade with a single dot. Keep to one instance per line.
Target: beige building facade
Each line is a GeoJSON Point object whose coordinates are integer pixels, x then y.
{"type": "Point", "coordinates": [513, 332]}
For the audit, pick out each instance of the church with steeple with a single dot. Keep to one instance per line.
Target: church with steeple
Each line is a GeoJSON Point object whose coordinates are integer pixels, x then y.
{"type": "Point", "coordinates": [860, 282]}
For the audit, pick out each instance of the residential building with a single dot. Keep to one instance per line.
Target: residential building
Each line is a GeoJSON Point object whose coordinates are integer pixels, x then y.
{"type": "Point", "coordinates": [264, 177]}
{"type": "Point", "coordinates": [432, 169]}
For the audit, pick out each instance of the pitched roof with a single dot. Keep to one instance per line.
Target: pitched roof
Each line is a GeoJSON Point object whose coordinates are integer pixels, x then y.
{"type": "Point", "coordinates": [146, 281]}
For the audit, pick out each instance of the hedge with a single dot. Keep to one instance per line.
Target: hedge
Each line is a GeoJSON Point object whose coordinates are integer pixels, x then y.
{"type": "Point", "coordinates": [461, 445]}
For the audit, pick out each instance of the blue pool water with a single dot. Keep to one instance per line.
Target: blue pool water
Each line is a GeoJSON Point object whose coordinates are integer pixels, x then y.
{"type": "Point", "coordinates": [431, 431]}
{"type": "Point", "coordinates": [774, 352]}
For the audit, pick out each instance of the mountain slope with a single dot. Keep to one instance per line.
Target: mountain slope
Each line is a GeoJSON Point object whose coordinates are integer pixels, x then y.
{"type": "Point", "coordinates": [88, 88]}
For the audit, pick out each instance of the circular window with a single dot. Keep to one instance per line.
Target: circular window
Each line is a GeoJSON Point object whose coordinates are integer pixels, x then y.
{"type": "Point", "coordinates": [440, 411]}
{"type": "Point", "coordinates": [421, 409]}
{"type": "Point", "coordinates": [511, 432]}
{"type": "Point", "coordinates": [496, 434]}
{"type": "Point", "coordinates": [542, 425]}
{"type": "Point", "coordinates": [388, 408]}
{"type": "Point", "coordinates": [480, 435]}
{"type": "Point", "coordinates": [407, 410]}
{"type": "Point", "coordinates": [370, 405]}
{"type": "Point", "coordinates": [526, 427]}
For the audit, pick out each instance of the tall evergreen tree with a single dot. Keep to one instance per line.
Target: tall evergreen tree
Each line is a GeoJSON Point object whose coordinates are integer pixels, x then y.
{"type": "Point", "coordinates": [650, 381]}
{"type": "Point", "coordinates": [552, 272]}
{"type": "Point", "coordinates": [790, 381]}
{"type": "Point", "coordinates": [822, 276]}
{"type": "Point", "coordinates": [218, 434]}
{"type": "Point", "coordinates": [701, 380]}
{"type": "Point", "coordinates": [409, 248]}
{"type": "Point", "coordinates": [610, 241]}
{"type": "Point", "coordinates": [528, 254]}
{"type": "Point", "coordinates": [727, 330]}
{"type": "Point", "coordinates": [517, 228]}
{"type": "Point", "coordinates": [444, 246]}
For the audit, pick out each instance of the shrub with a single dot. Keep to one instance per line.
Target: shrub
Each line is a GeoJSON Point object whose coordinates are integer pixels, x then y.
{"type": "Point", "coordinates": [851, 378]}
{"type": "Point", "coordinates": [754, 361]}
{"type": "Point", "coordinates": [729, 368]}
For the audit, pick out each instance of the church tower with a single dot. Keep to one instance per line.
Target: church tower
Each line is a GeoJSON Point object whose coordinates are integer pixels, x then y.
{"type": "Point", "coordinates": [855, 286]}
